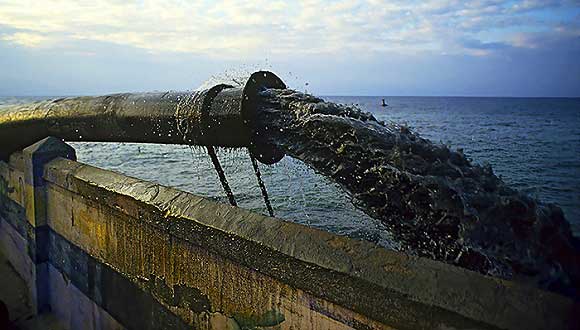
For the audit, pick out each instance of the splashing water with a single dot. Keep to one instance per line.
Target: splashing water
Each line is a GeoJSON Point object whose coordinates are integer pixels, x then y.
{"type": "Point", "coordinates": [433, 200]}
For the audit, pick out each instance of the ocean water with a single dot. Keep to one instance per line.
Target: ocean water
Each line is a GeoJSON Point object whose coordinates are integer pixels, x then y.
{"type": "Point", "coordinates": [532, 143]}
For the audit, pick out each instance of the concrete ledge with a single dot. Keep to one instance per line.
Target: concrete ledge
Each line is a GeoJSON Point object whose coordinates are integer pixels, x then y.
{"type": "Point", "coordinates": [88, 294]}
{"type": "Point", "coordinates": [118, 252]}
{"type": "Point", "coordinates": [205, 289]}
{"type": "Point", "coordinates": [387, 287]}
{"type": "Point", "coordinates": [74, 309]}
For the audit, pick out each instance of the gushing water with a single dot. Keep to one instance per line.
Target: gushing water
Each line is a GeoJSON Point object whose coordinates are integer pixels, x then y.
{"type": "Point", "coordinates": [433, 200]}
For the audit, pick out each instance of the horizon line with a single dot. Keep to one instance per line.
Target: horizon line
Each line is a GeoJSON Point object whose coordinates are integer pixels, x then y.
{"type": "Point", "coordinates": [320, 95]}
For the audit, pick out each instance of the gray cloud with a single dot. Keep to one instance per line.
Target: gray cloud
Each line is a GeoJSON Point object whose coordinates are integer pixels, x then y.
{"type": "Point", "coordinates": [230, 28]}
{"type": "Point", "coordinates": [395, 45]}
{"type": "Point", "coordinates": [477, 44]}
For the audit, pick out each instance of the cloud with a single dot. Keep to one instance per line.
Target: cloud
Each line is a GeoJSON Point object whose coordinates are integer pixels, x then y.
{"type": "Point", "coordinates": [531, 5]}
{"type": "Point", "coordinates": [231, 28]}
{"type": "Point", "coordinates": [31, 40]}
{"type": "Point", "coordinates": [482, 48]}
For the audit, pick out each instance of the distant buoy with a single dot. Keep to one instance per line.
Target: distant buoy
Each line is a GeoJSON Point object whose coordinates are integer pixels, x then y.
{"type": "Point", "coordinates": [384, 104]}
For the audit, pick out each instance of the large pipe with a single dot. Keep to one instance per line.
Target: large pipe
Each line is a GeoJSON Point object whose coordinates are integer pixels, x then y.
{"type": "Point", "coordinates": [221, 116]}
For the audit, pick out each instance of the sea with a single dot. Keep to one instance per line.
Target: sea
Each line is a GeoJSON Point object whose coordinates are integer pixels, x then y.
{"type": "Point", "coordinates": [533, 144]}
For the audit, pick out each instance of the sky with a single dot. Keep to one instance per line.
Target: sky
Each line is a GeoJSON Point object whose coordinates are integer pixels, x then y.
{"type": "Point", "coordinates": [423, 48]}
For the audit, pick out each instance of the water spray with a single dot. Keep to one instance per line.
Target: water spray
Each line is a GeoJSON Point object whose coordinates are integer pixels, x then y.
{"type": "Point", "coordinates": [434, 201]}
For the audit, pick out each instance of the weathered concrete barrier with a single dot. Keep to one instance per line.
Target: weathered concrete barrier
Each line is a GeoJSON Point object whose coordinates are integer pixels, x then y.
{"type": "Point", "coordinates": [106, 251]}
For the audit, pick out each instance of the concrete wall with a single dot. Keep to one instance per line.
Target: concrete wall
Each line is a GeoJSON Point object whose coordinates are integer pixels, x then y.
{"type": "Point", "coordinates": [106, 251]}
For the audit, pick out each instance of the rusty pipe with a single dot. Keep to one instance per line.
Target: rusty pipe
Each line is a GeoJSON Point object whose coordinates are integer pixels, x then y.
{"type": "Point", "coordinates": [221, 116]}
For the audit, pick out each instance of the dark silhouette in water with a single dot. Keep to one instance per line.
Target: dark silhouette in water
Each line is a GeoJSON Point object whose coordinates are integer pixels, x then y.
{"type": "Point", "coordinates": [384, 104]}
{"type": "Point", "coordinates": [433, 200]}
